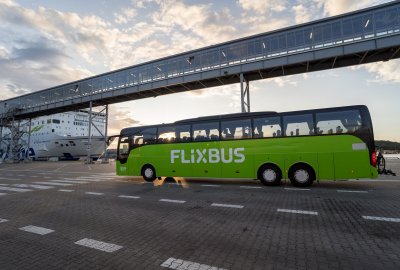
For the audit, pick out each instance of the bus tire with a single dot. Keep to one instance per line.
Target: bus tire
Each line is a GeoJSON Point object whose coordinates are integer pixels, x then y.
{"type": "Point", "coordinates": [301, 175]}
{"type": "Point", "coordinates": [270, 175]}
{"type": "Point", "coordinates": [149, 173]}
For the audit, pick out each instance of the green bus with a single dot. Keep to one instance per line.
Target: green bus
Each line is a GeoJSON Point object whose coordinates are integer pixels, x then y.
{"type": "Point", "coordinates": [303, 146]}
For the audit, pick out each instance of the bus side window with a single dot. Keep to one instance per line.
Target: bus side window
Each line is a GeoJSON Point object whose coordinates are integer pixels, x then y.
{"type": "Point", "coordinates": [166, 134]}
{"type": "Point", "coordinates": [123, 148]}
{"type": "Point", "coordinates": [267, 127]}
{"type": "Point", "coordinates": [149, 135]}
{"type": "Point", "coordinates": [338, 122]}
{"type": "Point", "coordinates": [205, 132]}
{"type": "Point", "coordinates": [182, 133]}
{"type": "Point", "coordinates": [237, 129]}
{"type": "Point", "coordinates": [298, 125]}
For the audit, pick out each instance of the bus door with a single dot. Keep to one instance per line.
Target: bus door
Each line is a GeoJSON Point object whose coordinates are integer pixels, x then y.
{"type": "Point", "coordinates": [205, 150]}
{"type": "Point", "coordinates": [236, 158]}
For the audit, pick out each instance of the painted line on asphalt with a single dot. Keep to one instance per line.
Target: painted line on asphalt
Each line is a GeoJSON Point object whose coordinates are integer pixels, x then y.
{"type": "Point", "coordinates": [128, 197]}
{"type": "Point", "coordinates": [94, 193]}
{"type": "Point", "coordinates": [2, 194]}
{"type": "Point", "coordinates": [3, 220]}
{"type": "Point", "coordinates": [297, 211]}
{"type": "Point", "coordinates": [16, 189]}
{"type": "Point", "coordinates": [211, 185]}
{"type": "Point", "coordinates": [173, 263]}
{"type": "Point", "coordinates": [103, 246]}
{"type": "Point", "coordinates": [81, 179]}
{"type": "Point", "coordinates": [171, 201]}
{"type": "Point", "coordinates": [36, 230]}
{"type": "Point", "coordinates": [300, 189]}
{"type": "Point", "coordinates": [66, 190]}
{"type": "Point", "coordinates": [227, 205]}
{"type": "Point", "coordinates": [382, 218]}
{"type": "Point", "coordinates": [53, 184]}
{"type": "Point", "coordinates": [32, 186]}
{"type": "Point", "coordinates": [352, 191]}
{"type": "Point", "coordinates": [70, 181]}
{"type": "Point", "coordinates": [249, 187]}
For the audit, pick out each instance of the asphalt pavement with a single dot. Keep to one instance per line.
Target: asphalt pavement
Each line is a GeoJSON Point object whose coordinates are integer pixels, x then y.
{"type": "Point", "coordinates": [70, 215]}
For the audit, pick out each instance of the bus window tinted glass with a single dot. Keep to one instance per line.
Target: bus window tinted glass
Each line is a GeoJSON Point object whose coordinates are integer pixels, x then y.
{"type": "Point", "coordinates": [182, 133]}
{"type": "Point", "coordinates": [149, 135]}
{"type": "Point", "coordinates": [267, 127]}
{"type": "Point", "coordinates": [206, 132]}
{"type": "Point", "coordinates": [338, 122]}
{"type": "Point", "coordinates": [298, 125]}
{"type": "Point", "coordinates": [123, 149]}
{"type": "Point", "coordinates": [166, 134]}
{"type": "Point", "coordinates": [239, 129]}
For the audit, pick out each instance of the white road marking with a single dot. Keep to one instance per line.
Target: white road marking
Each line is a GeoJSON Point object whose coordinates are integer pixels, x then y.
{"type": "Point", "coordinates": [382, 218]}
{"type": "Point", "coordinates": [47, 177]}
{"type": "Point", "coordinates": [128, 197]}
{"type": "Point", "coordinates": [70, 181]}
{"type": "Point", "coordinates": [352, 191]}
{"type": "Point", "coordinates": [3, 220]}
{"type": "Point", "coordinates": [179, 264]}
{"type": "Point", "coordinates": [53, 184]}
{"type": "Point", "coordinates": [107, 247]}
{"type": "Point", "coordinates": [171, 201]}
{"type": "Point", "coordinates": [298, 211]}
{"type": "Point", "coordinates": [210, 185]}
{"type": "Point", "coordinates": [249, 187]}
{"type": "Point", "coordinates": [94, 193]}
{"type": "Point", "coordinates": [32, 186]}
{"type": "Point", "coordinates": [227, 205]}
{"type": "Point", "coordinates": [66, 190]}
{"type": "Point", "coordinates": [15, 189]}
{"type": "Point", "coordinates": [37, 230]}
{"type": "Point", "coordinates": [2, 194]}
{"type": "Point", "coordinates": [301, 189]}
{"type": "Point", "coordinates": [81, 179]}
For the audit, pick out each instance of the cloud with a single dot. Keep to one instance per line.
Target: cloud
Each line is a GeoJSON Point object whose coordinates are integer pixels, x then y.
{"type": "Point", "coordinates": [385, 72]}
{"type": "Point", "coordinates": [262, 6]}
{"type": "Point", "coordinates": [119, 118]}
{"type": "Point", "coordinates": [335, 7]}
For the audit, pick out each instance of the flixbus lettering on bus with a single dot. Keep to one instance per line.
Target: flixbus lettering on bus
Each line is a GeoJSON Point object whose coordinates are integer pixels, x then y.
{"type": "Point", "coordinates": [211, 155]}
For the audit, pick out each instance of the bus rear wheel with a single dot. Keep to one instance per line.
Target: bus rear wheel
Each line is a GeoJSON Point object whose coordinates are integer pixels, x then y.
{"type": "Point", "coordinates": [301, 175]}
{"type": "Point", "coordinates": [270, 175]}
{"type": "Point", "coordinates": [149, 173]}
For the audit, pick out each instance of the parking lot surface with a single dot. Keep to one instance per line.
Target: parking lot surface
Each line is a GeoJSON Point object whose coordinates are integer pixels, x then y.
{"type": "Point", "coordinates": [69, 215]}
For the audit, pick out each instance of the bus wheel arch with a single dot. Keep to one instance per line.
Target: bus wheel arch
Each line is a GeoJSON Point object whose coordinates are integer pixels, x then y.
{"type": "Point", "coordinates": [149, 173]}
{"type": "Point", "coordinates": [301, 174]}
{"type": "Point", "coordinates": [269, 174]}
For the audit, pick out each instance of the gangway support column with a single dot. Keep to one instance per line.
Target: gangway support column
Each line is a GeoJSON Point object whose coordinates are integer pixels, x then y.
{"type": "Point", "coordinates": [105, 135]}
{"type": "Point", "coordinates": [29, 139]}
{"type": "Point", "coordinates": [90, 134]}
{"type": "Point", "coordinates": [244, 94]}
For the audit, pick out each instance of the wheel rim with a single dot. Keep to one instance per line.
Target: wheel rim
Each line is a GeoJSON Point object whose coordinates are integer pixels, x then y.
{"type": "Point", "coordinates": [301, 176]}
{"type": "Point", "coordinates": [269, 175]}
{"type": "Point", "coordinates": [148, 172]}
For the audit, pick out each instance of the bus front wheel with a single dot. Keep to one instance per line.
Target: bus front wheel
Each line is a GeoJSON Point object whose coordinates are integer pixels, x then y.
{"type": "Point", "coordinates": [301, 175]}
{"type": "Point", "coordinates": [149, 173]}
{"type": "Point", "coordinates": [270, 175]}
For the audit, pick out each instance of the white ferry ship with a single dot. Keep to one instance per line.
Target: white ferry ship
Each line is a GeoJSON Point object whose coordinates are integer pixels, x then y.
{"type": "Point", "coordinates": [65, 135]}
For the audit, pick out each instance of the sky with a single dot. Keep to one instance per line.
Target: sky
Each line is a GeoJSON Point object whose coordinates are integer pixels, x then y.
{"type": "Point", "coordinates": [45, 43]}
